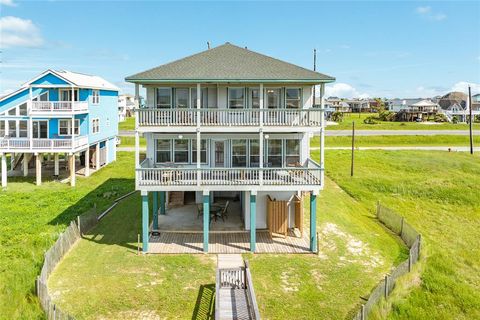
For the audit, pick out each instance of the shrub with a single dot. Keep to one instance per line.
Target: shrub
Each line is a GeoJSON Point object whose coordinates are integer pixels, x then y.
{"type": "Point", "coordinates": [476, 118]}
{"type": "Point", "coordinates": [370, 120]}
{"type": "Point", "coordinates": [455, 120]}
{"type": "Point", "coordinates": [337, 116]}
{"type": "Point", "coordinates": [387, 116]}
{"type": "Point", "coordinates": [440, 117]}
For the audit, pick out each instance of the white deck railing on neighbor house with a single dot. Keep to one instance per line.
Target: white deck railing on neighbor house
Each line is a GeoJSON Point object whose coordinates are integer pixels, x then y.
{"type": "Point", "coordinates": [307, 175]}
{"type": "Point", "coordinates": [229, 117]}
{"type": "Point", "coordinates": [58, 106]}
{"type": "Point", "coordinates": [44, 144]}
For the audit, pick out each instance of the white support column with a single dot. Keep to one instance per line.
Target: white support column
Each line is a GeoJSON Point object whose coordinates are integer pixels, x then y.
{"type": "Point", "coordinates": [260, 103]}
{"type": "Point", "coordinates": [260, 146]}
{"type": "Point", "coordinates": [137, 149]}
{"type": "Point", "coordinates": [4, 170]}
{"type": "Point", "coordinates": [199, 104]}
{"type": "Point", "coordinates": [199, 174]}
{"type": "Point", "coordinates": [73, 129]}
{"type": "Point", "coordinates": [322, 133]}
{"type": "Point", "coordinates": [26, 160]}
{"type": "Point", "coordinates": [38, 168]}
{"type": "Point", "coordinates": [87, 162]}
{"type": "Point", "coordinates": [56, 160]}
{"type": "Point", "coordinates": [72, 169]}
{"type": "Point", "coordinates": [97, 156]}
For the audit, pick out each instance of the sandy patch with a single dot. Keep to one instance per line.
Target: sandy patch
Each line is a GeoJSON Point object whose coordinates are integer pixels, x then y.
{"type": "Point", "coordinates": [135, 314]}
{"type": "Point", "coordinates": [355, 250]}
{"type": "Point", "coordinates": [290, 281]}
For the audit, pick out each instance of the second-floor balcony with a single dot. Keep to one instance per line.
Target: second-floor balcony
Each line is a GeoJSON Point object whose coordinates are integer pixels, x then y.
{"type": "Point", "coordinates": [42, 145]}
{"type": "Point", "coordinates": [307, 175]}
{"type": "Point", "coordinates": [213, 117]}
{"type": "Point", "coordinates": [58, 107]}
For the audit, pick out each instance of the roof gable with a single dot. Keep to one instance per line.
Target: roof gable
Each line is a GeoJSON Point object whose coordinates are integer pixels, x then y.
{"type": "Point", "coordinates": [49, 78]}
{"type": "Point", "coordinates": [229, 63]}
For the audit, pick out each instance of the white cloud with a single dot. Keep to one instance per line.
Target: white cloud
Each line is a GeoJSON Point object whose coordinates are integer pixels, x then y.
{"type": "Point", "coordinates": [343, 90]}
{"type": "Point", "coordinates": [427, 13]}
{"type": "Point", "coordinates": [9, 3]}
{"type": "Point", "coordinates": [18, 32]}
{"type": "Point", "coordinates": [462, 86]}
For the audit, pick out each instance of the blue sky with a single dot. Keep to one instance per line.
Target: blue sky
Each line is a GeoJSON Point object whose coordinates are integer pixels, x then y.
{"type": "Point", "coordinates": [387, 49]}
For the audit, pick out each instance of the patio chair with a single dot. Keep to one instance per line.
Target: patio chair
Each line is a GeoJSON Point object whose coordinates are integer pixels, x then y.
{"type": "Point", "coordinates": [225, 211]}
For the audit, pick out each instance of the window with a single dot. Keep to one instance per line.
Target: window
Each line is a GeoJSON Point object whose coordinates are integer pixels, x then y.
{"type": "Point", "coordinates": [12, 128]}
{"type": "Point", "coordinates": [181, 97]}
{"type": "Point", "coordinates": [203, 95]}
{"type": "Point", "coordinates": [254, 153]}
{"type": "Point", "coordinates": [254, 98]}
{"type": "Point", "coordinates": [12, 112]}
{"type": "Point", "coordinates": [66, 95]}
{"type": "Point", "coordinates": [180, 149]}
{"type": "Point", "coordinates": [273, 98]}
{"type": "Point", "coordinates": [236, 98]}
{"type": "Point", "coordinates": [164, 153]}
{"type": "Point", "coordinates": [95, 125]}
{"type": "Point", "coordinates": [40, 129]}
{"type": "Point", "coordinates": [203, 151]}
{"type": "Point", "coordinates": [292, 98]}
{"type": "Point", "coordinates": [292, 152]}
{"type": "Point", "coordinates": [164, 98]}
{"type": "Point", "coordinates": [239, 153]}
{"type": "Point", "coordinates": [2, 128]}
{"type": "Point", "coordinates": [23, 128]}
{"type": "Point", "coordinates": [23, 109]}
{"type": "Point", "coordinates": [95, 96]}
{"type": "Point", "coordinates": [274, 153]}
{"type": "Point", "coordinates": [65, 127]}
{"type": "Point", "coordinates": [41, 97]}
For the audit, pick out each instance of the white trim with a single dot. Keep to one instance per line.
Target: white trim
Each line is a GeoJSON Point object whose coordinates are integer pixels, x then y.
{"type": "Point", "coordinates": [93, 125]}
{"type": "Point", "coordinates": [48, 128]}
{"type": "Point", "coordinates": [71, 133]}
{"type": "Point", "coordinates": [156, 97]}
{"type": "Point", "coordinates": [93, 97]}
{"type": "Point", "coordinates": [70, 94]}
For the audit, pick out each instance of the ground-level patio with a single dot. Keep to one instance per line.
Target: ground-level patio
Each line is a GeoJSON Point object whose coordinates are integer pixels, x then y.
{"type": "Point", "coordinates": [227, 242]}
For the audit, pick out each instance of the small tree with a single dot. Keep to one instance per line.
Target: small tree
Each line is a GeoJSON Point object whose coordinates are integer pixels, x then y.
{"type": "Point", "coordinates": [337, 116]}
{"type": "Point", "coordinates": [455, 119]}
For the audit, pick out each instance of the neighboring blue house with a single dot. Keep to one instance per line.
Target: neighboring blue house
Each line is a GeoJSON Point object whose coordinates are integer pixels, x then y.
{"type": "Point", "coordinates": [37, 120]}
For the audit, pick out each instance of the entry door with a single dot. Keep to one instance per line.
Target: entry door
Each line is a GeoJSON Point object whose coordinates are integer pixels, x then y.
{"type": "Point", "coordinates": [219, 157]}
{"type": "Point", "coordinates": [40, 129]}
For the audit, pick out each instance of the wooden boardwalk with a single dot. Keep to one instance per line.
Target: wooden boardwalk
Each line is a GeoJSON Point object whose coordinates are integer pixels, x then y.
{"type": "Point", "coordinates": [226, 242]}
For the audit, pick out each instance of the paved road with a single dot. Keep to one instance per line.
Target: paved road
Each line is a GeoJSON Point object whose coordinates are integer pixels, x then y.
{"type": "Point", "coordinates": [373, 132]}
{"type": "Point", "coordinates": [399, 132]}
{"type": "Point", "coordinates": [436, 148]}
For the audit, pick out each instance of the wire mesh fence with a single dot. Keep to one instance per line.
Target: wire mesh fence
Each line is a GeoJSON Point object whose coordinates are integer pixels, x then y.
{"type": "Point", "coordinates": [412, 240]}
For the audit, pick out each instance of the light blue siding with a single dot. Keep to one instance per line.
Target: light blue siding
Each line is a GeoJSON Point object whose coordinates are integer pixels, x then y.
{"type": "Point", "coordinates": [107, 113]}
{"type": "Point", "coordinates": [50, 79]}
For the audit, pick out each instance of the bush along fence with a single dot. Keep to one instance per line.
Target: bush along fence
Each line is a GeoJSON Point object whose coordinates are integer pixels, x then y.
{"type": "Point", "coordinates": [65, 241]}
{"type": "Point", "coordinates": [412, 240]}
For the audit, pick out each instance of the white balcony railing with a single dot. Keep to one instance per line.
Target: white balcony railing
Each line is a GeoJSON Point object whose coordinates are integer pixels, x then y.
{"type": "Point", "coordinates": [42, 144]}
{"type": "Point", "coordinates": [230, 117]}
{"type": "Point", "coordinates": [58, 106]}
{"type": "Point", "coordinates": [307, 175]}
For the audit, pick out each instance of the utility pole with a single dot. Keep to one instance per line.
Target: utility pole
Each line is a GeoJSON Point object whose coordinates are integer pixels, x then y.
{"type": "Point", "coordinates": [471, 118]}
{"type": "Point", "coordinates": [353, 147]}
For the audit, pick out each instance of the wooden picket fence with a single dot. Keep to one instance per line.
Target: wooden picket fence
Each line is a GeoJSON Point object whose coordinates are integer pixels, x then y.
{"type": "Point", "coordinates": [64, 243]}
{"type": "Point", "coordinates": [412, 239]}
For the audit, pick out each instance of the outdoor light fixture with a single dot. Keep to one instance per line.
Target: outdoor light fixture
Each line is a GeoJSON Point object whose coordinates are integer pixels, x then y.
{"type": "Point", "coordinates": [267, 136]}
{"type": "Point", "coordinates": [180, 136]}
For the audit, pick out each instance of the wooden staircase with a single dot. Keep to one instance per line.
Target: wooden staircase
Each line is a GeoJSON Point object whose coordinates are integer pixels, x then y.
{"type": "Point", "coordinates": [176, 198]}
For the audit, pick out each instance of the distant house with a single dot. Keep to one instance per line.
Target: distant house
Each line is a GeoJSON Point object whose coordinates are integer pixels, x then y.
{"type": "Point", "coordinates": [126, 104]}
{"type": "Point", "coordinates": [397, 105]}
{"type": "Point", "coordinates": [421, 110]}
{"type": "Point", "coordinates": [59, 113]}
{"type": "Point", "coordinates": [455, 104]}
{"type": "Point", "coordinates": [359, 105]}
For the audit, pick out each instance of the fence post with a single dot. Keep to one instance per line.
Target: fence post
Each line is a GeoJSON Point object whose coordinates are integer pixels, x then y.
{"type": "Point", "coordinates": [318, 244]}
{"type": "Point", "coordinates": [363, 312]}
{"type": "Point", "coordinates": [401, 227]}
{"type": "Point", "coordinates": [78, 223]}
{"type": "Point", "coordinates": [409, 260]}
{"type": "Point", "coordinates": [419, 243]}
{"type": "Point", "coordinates": [138, 243]}
{"type": "Point", "coordinates": [378, 207]}
{"type": "Point", "coordinates": [386, 286]}
{"type": "Point", "coordinates": [54, 312]}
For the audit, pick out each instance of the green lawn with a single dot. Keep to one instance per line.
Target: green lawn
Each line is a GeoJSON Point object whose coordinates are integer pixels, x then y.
{"type": "Point", "coordinates": [355, 252]}
{"type": "Point", "coordinates": [129, 141]}
{"type": "Point", "coordinates": [31, 219]}
{"type": "Point", "coordinates": [128, 124]}
{"type": "Point", "coordinates": [438, 193]}
{"type": "Point", "coordinates": [398, 141]}
{"type": "Point", "coordinates": [104, 278]}
{"type": "Point", "coordinates": [348, 118]}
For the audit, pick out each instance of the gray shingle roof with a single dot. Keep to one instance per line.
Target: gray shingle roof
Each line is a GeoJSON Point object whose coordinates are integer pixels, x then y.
{"type": "Point", "coordinates": [229, 63]}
